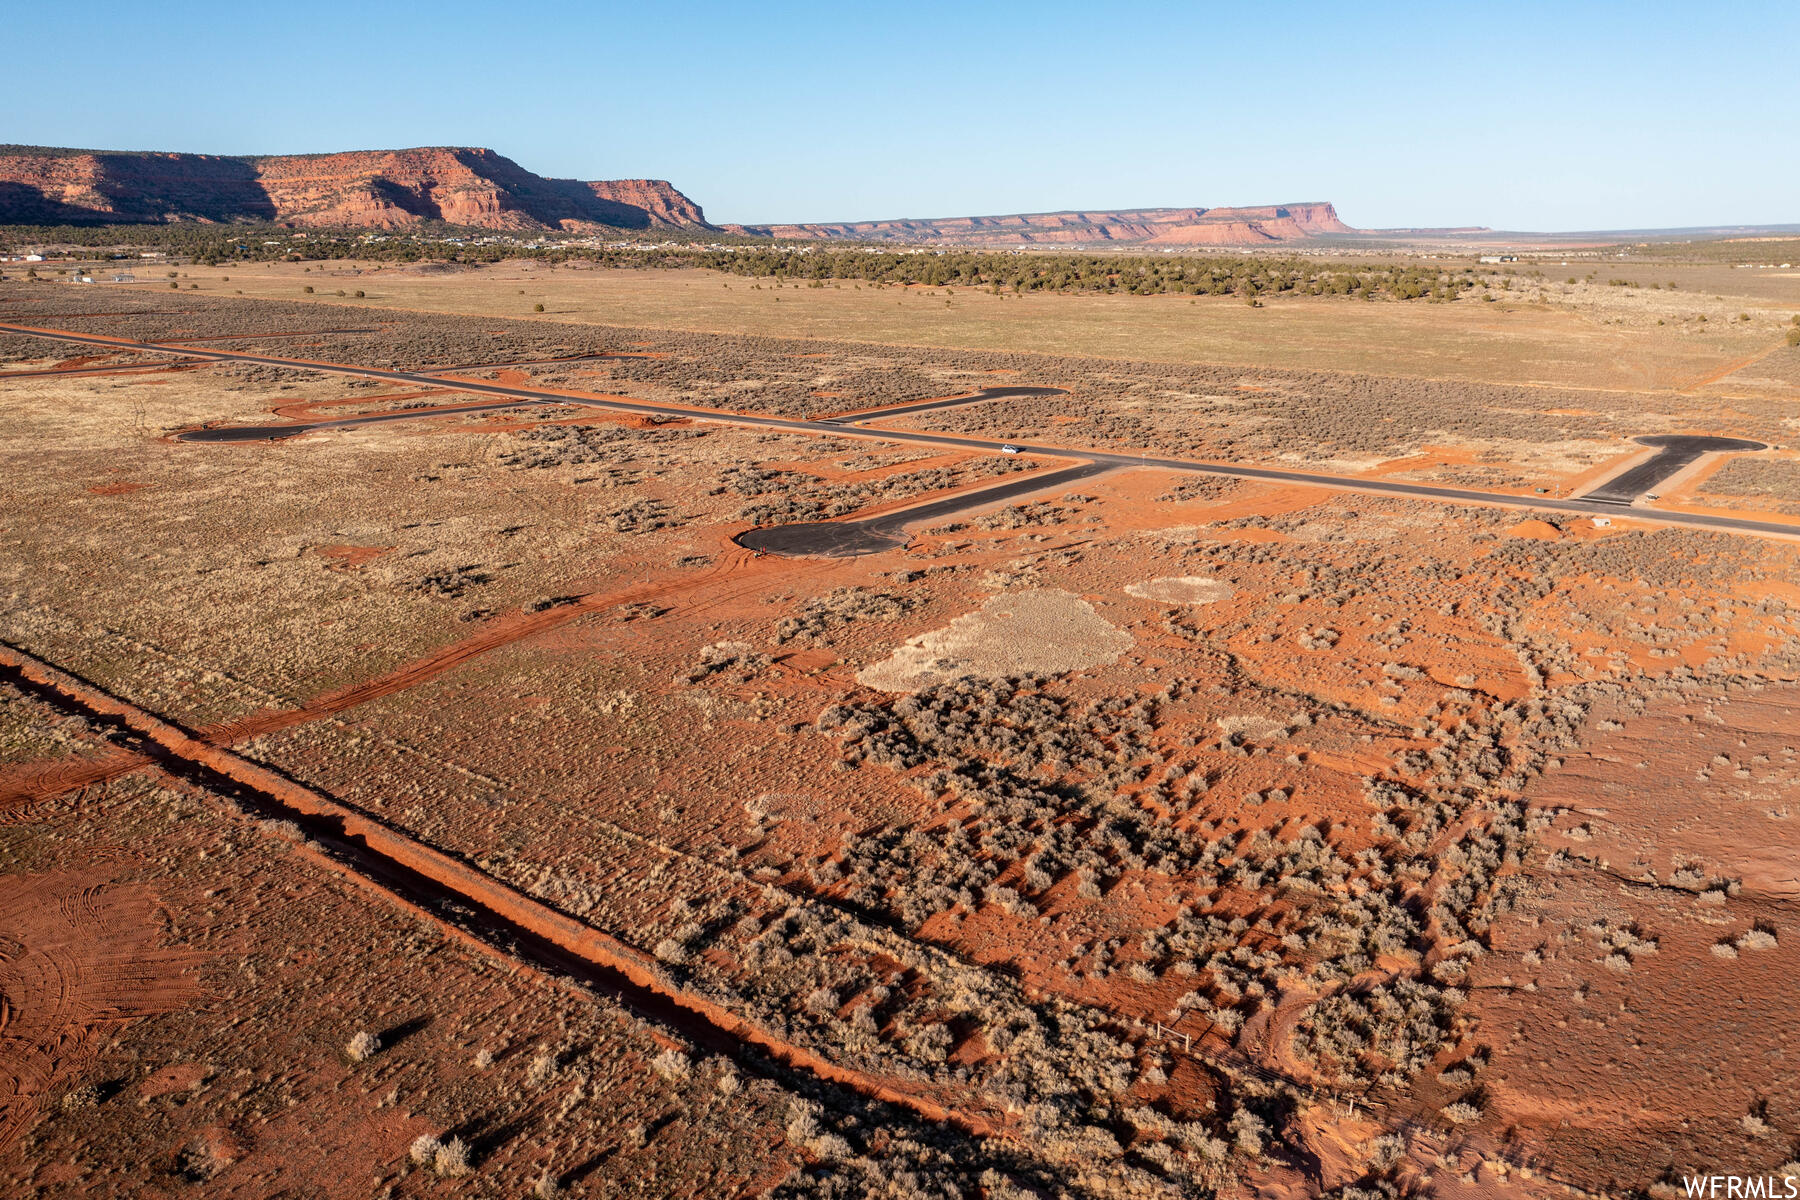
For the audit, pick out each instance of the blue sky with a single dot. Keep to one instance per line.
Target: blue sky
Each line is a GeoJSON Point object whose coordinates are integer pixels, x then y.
{"type": "Point", "coordinates": [1521, 116]}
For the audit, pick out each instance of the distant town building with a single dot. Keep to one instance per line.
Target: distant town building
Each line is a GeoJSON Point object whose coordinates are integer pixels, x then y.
{"type": "Point", "coordinates": [1499, 258]}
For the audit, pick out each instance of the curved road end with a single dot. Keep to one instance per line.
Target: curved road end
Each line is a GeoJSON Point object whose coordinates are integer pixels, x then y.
{"type": "Point", "coordinates": [1675, 452]}
{"type": "Point", "coordinates": [272, 433]}
{"type": "Point", "coordinates": [1008, 392]}
{"type": "Point", "coordinates": [818, 539]}
{"type": "Point", "coordinates": [872, 535]}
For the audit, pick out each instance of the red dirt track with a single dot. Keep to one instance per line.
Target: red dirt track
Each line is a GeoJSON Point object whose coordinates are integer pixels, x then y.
{"type": "Point", "coordinates": [27, 783]}
{"type": "Point", "coordinates": [487, 895]}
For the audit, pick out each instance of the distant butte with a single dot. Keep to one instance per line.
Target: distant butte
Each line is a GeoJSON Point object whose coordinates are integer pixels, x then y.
{"type": "Point", "coordinates": [1270, 224]}
{"type": "Point", "coordinates": [478, 188]}
{"type": "Point", "coordinates": [370, 189]}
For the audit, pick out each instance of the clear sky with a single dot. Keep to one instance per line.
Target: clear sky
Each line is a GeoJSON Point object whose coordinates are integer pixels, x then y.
{"type": "Point", "coordinates": [1518, 116]}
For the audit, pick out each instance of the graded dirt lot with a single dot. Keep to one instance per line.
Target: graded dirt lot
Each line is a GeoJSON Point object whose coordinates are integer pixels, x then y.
{"type": "Point", "coordinates": [461, 803]}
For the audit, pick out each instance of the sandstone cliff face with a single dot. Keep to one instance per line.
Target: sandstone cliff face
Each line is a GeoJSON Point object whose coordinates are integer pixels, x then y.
{"type": "Point", "coordinates": [379, 189]}
{"type": "Point", "coordinates": [654, 196]}
{"type": "Point", "coordinates": [128, 188]}
{"type": "Point", "coordinates": [1263, 225]}
{"type": "Point", "coordinates": [391, 189]}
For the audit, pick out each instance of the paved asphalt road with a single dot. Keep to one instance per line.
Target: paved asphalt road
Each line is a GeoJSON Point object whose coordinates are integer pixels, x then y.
{"type": "Point", "coordinates": [1375, 487]}
{"type": "Point", "coordinates": [273, 433]}
{"type": "Point", "coordinates": [842, 539]}
{"type": "Point", "coordinates": [985, 394]}
{"type": "Point", "coordinates": [270, 433]}
{"type": "Point", "coordinates": [1674, 451]}
{"type": "Point", "coordinates": [570, 361]}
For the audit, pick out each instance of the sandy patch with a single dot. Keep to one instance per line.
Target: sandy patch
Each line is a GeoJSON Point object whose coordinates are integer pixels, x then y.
{"type": "Point", "coordinates": [1532, 529]}
{"type": "Point", "coordinates": [1177, 537]}
{"type": "Point", "coordinates": [1360, 530]}
{"type": "Point", "coordinates": [1257, 729]}
{"type": "Point", "coordinates": [1181, 589]}
{"type": "Point", "coordinates": [1044, 632]}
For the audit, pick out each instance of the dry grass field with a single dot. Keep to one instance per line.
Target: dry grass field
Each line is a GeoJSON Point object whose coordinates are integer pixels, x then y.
{"type": "Point", "coordinates": [459, 791]}
{"type": "Point", "coordinates": [1585, 335]}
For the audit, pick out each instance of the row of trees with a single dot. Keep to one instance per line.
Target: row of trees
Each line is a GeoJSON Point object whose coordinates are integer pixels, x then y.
{"type": "Point", "coordinates": [1247, 276]}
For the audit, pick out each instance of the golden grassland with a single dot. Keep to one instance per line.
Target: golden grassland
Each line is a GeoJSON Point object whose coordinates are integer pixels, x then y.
{"type": "Point", "coordinates": [1584, 335]}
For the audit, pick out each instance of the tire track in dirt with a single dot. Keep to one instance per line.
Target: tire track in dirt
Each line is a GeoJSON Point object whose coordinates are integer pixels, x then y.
{"type": "Point", "coordinates": [79, 960]}
{"type": "Point", "coordinates": [25, 784]}
{"type": "Point", "coordinates": [500, 919]}
{"type": "Point", "coordinates": [502, 631]}
{"type": "Point", "coordinates": [251, 337]}
{"type": "Point", "coordinates": [1730, 368]}
{"type": "Point", "coordinates": [122, 369]}
{"type": "Point", "coordinates": [30, 783]}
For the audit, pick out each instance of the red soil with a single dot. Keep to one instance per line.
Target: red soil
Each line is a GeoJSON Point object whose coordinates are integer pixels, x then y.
{"type": "Point", "coordinates": [350, 558]}
{"type": "Point", "coordinates": [23, 784]}
{"type": "Point", "coordinates": [582, 941]}
{"type": "Point", "coordinates": [82, 959]}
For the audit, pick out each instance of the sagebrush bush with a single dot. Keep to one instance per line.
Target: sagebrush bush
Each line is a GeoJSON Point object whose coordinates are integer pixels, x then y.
{"type": "Point", "coordinates": [672, 1065]}
{"type": "Point", "coordinates": [451, 1159]}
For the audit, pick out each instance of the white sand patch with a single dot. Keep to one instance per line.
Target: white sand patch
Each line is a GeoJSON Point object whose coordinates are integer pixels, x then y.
{"type": "Point", "coordinates": [1339, 466]}
{"type": "Point", "coordinates": [1044, 632]}
{"type": "Point", "coordinates": [1257, 729]}
{"type": "Point", "coordinates": [1169, 534]}
{"type": "Point", "coordinates": [1347, 528]}
{"type": "Point", "coordinates": [1361, 530]}
{"type": "Point", "coordinates": [1181, 589]}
